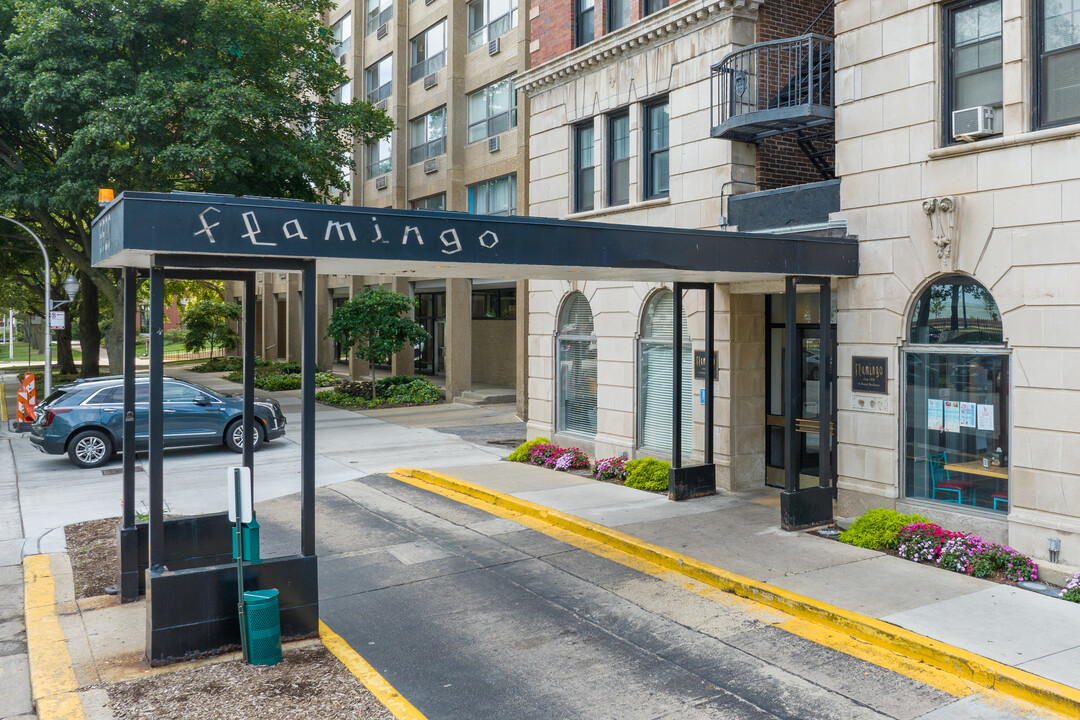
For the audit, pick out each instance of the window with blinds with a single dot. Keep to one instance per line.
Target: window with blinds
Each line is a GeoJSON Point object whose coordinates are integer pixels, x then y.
{"type": "Point", "coordinates": [576, 396]}
{"type": "Point", "coordinates": [656, 381]}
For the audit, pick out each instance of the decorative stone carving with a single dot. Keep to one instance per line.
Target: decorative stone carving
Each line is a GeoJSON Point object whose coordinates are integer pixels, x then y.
{"type": "Point", "coordinates": [942, 214]}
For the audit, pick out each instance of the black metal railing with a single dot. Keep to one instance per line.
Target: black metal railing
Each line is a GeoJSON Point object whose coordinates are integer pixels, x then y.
{"type": "Point", "coordinates": [773, 87]}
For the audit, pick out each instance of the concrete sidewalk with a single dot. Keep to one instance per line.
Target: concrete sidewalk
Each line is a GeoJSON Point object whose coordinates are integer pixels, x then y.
{"type": "Point", "coordinates": [739, 534]}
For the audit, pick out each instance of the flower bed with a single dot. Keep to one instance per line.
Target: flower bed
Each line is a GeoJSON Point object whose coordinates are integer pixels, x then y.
{"type": "Point", "coordinates": [557, 458]}
{"type": "Point", "coordinates": [645, 473]}
{"type": "Point", "coordinates": [925, 542]}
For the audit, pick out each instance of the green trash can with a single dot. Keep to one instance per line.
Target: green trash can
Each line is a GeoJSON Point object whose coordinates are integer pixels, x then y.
{"type": "Point", "coordinates": [263, 626]}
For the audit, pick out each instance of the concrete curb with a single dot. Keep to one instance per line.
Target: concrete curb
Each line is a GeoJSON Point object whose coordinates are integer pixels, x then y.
{"type": "Point", "coordinates": [53, 687]}
{"type": "Point", "coordinates": [957, 661]}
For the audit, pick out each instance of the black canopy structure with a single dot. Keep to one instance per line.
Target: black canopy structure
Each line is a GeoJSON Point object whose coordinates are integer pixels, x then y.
{"type": "Point", "coordinates": [187, 235]}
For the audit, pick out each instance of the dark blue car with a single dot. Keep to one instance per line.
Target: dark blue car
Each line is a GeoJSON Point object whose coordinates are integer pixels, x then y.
{"type": "Point", "coordinates": [85, 419]}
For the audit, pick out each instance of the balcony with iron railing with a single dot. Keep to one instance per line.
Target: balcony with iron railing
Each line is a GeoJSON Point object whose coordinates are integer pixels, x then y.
{"type": "Point", "coordinates": [773, 87]}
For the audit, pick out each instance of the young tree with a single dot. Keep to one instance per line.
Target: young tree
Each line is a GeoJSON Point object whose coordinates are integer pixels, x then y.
{"type": "Point", "coordinates": [209, 322]}
{"type": "Point", "coordinates": [376, 324]}
{"type": "Point", "coordinates": [223, 96]}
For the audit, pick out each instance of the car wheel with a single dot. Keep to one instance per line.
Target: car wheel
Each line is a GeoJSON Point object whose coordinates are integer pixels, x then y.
{"type": "Point", "coordinates": [90, 448]}
{"type": "Point", "coordinates": [234, 435]}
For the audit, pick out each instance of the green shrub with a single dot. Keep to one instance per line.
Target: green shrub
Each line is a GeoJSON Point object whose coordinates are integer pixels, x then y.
{"type": "Point", "coordinates": [418, 391]}
{"type": "Point", "coordinates": [876, 529]}
{"type": "Point", "coordinates": [521, 453]}
{"type": "Point", "coordinates": [222, 364]}
{"type": "Point", "coordinates": [175, 335]}
{"type": "Point", "coordinates": [647, 473]}
{"type": "Point", "coordinates": [274, 381]}
{"type": "Point", "coordinates": [384, 384]}
{"type": "Point", "coordinates": [358, 395]}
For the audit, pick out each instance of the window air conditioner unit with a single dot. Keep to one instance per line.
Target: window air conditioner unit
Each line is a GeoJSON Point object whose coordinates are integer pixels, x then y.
{"type": "Point", "coordinates": [431, 80]}
{"type": "Point", "coordinates": [431, 166]}
{"type": "Point", "coordinates": [972, 122]}
{"type": "Point", "coordinates": [494, 46]}
{"type": "Point", "coordinates": [493, 144]}
{"type": "Point", "coordinates": [381, 32]}
{"type": "Point", "coordinates": [380, 182]}
{"type": "Point", "coordinates": [381, 105]}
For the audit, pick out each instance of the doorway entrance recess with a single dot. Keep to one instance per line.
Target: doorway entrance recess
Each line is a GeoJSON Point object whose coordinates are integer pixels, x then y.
{"type": "Point", "coordinates": [200, 235]}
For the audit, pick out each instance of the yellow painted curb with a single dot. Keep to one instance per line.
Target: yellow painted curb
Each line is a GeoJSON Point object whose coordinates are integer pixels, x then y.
{"type": "Point", "coordinates": [373, 681]}
{"type": "Point", "coordinates": [975, 668]}
{"type": "Point", "coordinates": [52, 678]}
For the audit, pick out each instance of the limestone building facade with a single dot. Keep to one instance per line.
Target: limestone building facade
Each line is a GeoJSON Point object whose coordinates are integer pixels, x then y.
{"type": "Point", "coordinates": [943, 135]}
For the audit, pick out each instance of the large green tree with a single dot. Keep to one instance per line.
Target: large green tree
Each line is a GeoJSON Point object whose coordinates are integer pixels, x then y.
{"type": "Point", "coordinates": [209, 322]}
{"type": "Point", "coordinates": [225, 96]}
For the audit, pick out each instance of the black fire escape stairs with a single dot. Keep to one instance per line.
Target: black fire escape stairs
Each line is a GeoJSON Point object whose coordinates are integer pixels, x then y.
{"type": "Point", "coordinates": [778, 87]}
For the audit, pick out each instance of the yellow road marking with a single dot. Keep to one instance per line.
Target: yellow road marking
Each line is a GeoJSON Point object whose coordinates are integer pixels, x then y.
{"type": "Point", "coordinates": [52, 678]}
{"type": "Point", "coordinates": [966, 666]}
{"type": "Point", "coordinates": [369, 676]}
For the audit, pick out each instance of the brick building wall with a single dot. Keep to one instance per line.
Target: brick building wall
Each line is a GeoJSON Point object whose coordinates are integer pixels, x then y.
{"type": "Point", "coordinates": [780, 162]}
{"type": "Point", "coordinates": [552, 26]}
{"type": "Point", "coordinates": [551, 29]}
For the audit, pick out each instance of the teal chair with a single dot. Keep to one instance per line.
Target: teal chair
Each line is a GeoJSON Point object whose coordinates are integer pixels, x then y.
{"type": "Point", "coordinates": [942, 483]}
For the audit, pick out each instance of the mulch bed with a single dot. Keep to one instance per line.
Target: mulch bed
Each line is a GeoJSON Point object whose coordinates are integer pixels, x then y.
{"type": "Point", "coordinates": [92, 549]}
{"type": "Point", "coordinates": [308, 683]}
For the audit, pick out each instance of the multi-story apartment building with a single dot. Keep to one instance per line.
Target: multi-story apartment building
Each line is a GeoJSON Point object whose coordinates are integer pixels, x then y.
{"type": "Point", "coordinates": [443, 71]}
{"type": "Point", "coordinates": [942, 135]}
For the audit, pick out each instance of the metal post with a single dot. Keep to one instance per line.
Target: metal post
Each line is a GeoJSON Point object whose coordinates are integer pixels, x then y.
{"type": "Point", "coordinates": [307, 433]}
{"type": "Point", "coordinates": [131, 286]}
{"type": "Point", "coordinates": [249, 375]}
{"type": "Point", "coordinates": [676, 381]}
{"type": "Point", "coordinates": [825, 375]}
{"type": "Point", "coordinates": [48, 308]}
{"type": "Point", "coordinates": [157, 428]}
{"type": "Point", "coordinates": [710, 369]}
{"type": "Point", "coordinates": [791, 394]}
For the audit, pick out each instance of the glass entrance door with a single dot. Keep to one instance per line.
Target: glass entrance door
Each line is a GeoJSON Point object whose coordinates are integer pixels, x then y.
{"type": "Point", "coordinates": [808, 417]}
{"type": "Point", "coordinates": [431, 315]}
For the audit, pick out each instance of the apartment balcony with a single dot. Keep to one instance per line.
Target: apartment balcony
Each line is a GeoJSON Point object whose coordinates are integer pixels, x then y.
{"type": "Point", "coordinates": [775, 87]}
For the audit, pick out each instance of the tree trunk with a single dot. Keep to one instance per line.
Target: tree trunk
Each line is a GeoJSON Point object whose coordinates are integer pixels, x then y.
{"type": "Point", "coordinates": [89, 332]}
{"type": "Point", "coordinates": [372, 381]}
{"type": "Point", "coordinates": [63, 348]}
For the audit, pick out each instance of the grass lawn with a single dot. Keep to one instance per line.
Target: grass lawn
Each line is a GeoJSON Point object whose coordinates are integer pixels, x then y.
{"type": "Point", "coordinates": [22, 353]}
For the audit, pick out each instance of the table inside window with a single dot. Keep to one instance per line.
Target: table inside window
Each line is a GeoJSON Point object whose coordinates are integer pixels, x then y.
{"type": "Point", "coordinates": [975, 467]}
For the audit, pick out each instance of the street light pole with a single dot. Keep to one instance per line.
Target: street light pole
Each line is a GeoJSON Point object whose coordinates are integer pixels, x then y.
{"type": "Point", "coordinates": [48, 307]}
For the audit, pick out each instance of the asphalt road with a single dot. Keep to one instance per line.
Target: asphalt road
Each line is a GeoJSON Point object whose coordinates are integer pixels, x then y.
{"type": "Point", "coordinates": [474, 617]}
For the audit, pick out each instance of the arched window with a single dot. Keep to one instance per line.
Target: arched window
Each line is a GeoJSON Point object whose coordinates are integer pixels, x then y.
{"type": "Point", "coordinates": [956, 397]}
{"type": "Point", "coordinates": [656, 379]}
{"type": "Point", "coordinates": [956, 310]}
{"type": "Point", "coordinates": [576, 357]}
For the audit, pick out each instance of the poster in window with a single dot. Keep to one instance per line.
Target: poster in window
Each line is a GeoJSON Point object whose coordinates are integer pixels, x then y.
{"type": "Point", "coordinates": [935, 414]}
{"type": "Point", "coordinates": [952, 416]}
{"type": "Point", "coordinates": [967, 415]}
{"type": "Point", "coordinates": [986, 417]}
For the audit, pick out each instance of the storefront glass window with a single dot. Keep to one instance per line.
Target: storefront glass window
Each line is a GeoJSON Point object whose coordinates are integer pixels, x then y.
{"type": "Point", "coordinates": [957, 399]}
